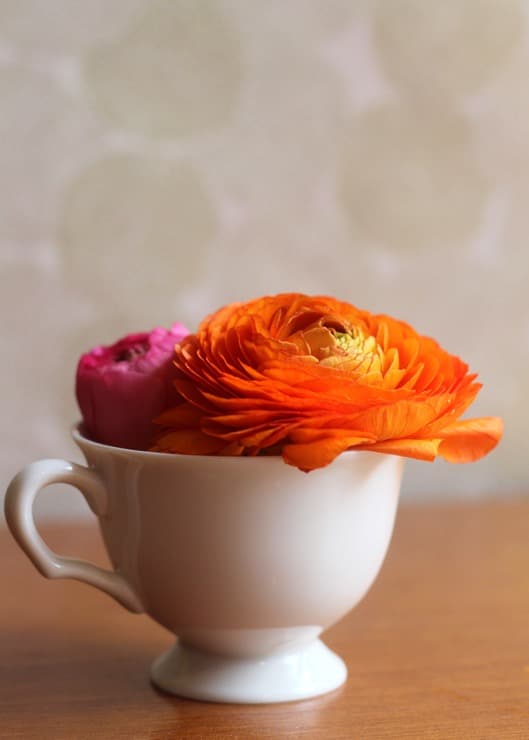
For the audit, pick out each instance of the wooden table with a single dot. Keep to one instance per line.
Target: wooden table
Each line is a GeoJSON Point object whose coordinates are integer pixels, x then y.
{"type": "Point", "coordinates": [438, 649]}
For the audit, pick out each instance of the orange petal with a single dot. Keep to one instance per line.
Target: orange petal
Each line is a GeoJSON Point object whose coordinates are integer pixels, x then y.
{"type": "Point", "coordinates": [257, 436]}
{"type": "Point", "coordinates": [183, 415]}
{"type": "Point", "coordinates": [305, 435]}
{"type": "Point", "coordinates": [314, 455]}
{"type": "Point", "coordinates": [466, 441]}
{"type": "Point", "coordinates": [446, 419]}
{"type": "Point", "coordinates": [402, 419]}
{"type": "Point", "coordinates": [419, 449]}
{"type": "Point", "coordinates": [188, 442]}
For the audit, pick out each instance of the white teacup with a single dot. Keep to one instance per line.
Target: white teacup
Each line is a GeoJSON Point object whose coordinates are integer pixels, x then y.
{"type": "Point", "coordinates": [246, 559]}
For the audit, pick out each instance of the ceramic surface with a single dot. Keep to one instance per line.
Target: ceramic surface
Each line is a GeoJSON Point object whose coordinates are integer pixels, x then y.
{"type": "Point", "coordinates": [246, 560]}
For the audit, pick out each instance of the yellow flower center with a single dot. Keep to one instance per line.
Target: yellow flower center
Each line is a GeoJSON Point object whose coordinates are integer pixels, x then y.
{"type": "Point", "coordinates": [354, 352]}
{"type": "Point", "coordinates": [347, 348]}
{"type": "Point", "coordinates": [347, 342]}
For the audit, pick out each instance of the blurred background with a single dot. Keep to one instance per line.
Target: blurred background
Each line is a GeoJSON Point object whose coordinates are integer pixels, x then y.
{"type": "Point", "coordinates": [159, 158]}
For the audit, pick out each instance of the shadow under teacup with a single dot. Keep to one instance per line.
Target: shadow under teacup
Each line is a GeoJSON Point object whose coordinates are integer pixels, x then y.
{"type": "Point", "coordinates": [246, 559]}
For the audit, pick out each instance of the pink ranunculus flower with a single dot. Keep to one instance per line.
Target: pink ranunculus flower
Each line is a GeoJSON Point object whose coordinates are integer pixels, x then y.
{"type": "Point", "coordinates": [121, 388]}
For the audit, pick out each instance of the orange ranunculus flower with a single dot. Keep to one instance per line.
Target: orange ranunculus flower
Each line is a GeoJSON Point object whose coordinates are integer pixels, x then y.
{"type": "Point", "coordinates": [310, 377]}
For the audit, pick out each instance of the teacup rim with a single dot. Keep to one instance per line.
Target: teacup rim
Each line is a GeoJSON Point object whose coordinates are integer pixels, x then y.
{"type": "Point", "coordinates": [81, 439]}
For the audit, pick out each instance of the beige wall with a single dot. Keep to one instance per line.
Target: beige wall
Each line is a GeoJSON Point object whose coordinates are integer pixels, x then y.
{"type": "Point", "coordinates": [160, 158]}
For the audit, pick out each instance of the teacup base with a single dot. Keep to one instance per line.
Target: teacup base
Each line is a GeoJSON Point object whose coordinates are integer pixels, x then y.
{"type": "Point", "coordinates": [307, 671]}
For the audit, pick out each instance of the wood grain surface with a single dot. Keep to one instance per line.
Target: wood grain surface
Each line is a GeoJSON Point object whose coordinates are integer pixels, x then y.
{"type": "Point", "coordinates": [438, 649]}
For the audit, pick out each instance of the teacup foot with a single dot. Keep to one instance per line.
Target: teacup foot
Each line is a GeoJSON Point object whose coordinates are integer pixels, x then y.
{"type": "Point", "coordinates": [307, 671]}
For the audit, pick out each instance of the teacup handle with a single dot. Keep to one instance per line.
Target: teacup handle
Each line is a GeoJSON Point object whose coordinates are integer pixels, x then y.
{"type": "Point", "coordinates": [19, 515]}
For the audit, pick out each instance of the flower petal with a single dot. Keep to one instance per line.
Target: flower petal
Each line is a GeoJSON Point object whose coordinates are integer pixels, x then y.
{"type": "Point", "coordinates": [188, 442]}
{"type": "Point", "coordinates": [468, 440]}
{"type": "Point", "coordinates": [419, 449]}
{"type": "Point", "coordinates": [320, 453]}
